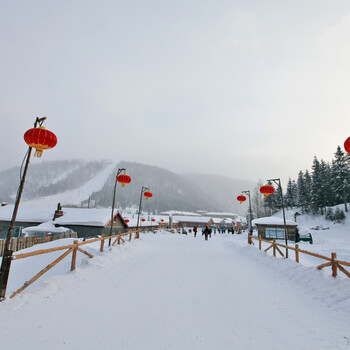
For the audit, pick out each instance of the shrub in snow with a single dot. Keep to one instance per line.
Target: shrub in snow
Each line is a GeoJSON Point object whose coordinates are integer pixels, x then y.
{"type": "Point", "coordinates": [339, 215]}
{"type": "Point", "coordinates": [329, 214]}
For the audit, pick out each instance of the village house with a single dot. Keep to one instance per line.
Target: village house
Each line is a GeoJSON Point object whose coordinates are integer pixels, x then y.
{"type": "Point", "coordinates": [86, 222]}
{"type": "Point", "coordinates": [191, 221]}
{"type": "Point", "coordinates": [273, 228]}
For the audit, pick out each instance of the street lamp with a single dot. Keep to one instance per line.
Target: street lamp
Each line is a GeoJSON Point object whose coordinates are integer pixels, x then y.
{"type": "Point", "coordinates": [278, 183]}
{"type": "Point", "coordinates": [250, 211]}
{"type": "Point", "coordinates": [123, 179]}
{"type": "Point", "coordinates": [143, 190]}
{"type": "Point", "coordinates": [40, 138]}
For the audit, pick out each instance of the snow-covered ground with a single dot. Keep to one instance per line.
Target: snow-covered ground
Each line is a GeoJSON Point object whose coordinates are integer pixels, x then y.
{"type": "Point", "coordinates": [172, 291]}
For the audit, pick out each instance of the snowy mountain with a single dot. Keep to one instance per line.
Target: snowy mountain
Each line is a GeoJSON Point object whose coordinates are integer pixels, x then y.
{"type": "Point", "coordinates": [75, 182]}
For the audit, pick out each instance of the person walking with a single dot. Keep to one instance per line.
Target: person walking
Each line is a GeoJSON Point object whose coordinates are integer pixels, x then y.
{"type": "Point", "coordinates": [206, 232]}
{"type": "Point", "coordinates": [210, 230]}
{"type": "Point", "coordinates": [195, 231]}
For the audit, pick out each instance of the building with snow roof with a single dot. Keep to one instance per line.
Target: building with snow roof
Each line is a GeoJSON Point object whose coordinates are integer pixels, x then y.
{"type": "Point", "coordinates": [86, 222]}
{"type": "Point", "coordinates": [191, 221]}
{"type": "Point", "coordinates": [273, 228]}
{"type": "Point", "coordinates": [219, 214]}
{"type": "Point", "coordinates": [178, 213]}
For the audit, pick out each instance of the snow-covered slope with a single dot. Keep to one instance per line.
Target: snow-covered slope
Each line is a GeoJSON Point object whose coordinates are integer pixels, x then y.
{"type": "Point", "coordinates": [75, 197]}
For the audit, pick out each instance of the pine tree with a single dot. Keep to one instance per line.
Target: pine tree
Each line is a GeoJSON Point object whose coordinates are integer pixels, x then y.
{"type": "Point", "coordinates": [301, 197]}
{"type": "Point", "coordinates": [270, 203]}
{"type": "Point", "coordinates": [278, 199]}
{"type": "Point", "coordinates": [308, 185]}
{"type": "Point", "coordinates": [258, 201]}
{"type": "Point", "coordinates": [325, 183]}
{"type": "Point", "coordinates": [341, 177]}
{"type": "Point", "coordinates": [317, 197]}
{"type": "Point", "coordinates": [289, 197]}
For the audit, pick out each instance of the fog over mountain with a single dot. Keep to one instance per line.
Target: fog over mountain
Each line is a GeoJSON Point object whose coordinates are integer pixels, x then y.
{"type": "Point", "coordinates": [79, 182]}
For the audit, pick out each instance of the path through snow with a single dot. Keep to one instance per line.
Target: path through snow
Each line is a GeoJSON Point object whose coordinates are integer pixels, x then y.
{"type": "Point", "coordinates": [179, 292]}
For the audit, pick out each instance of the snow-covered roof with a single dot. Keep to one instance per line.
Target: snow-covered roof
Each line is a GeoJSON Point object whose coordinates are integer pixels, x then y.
{"type": "Point", "coordinates": [179, 213]}
{"type": "Point", "coordinates": [71, 216]}
{"type": "Point", "coordinates": [85, 217]}
{"type": "Point", "coordinates": [218, 220]}
{"type": "Point", "coordinates": [46, 227]}
{"type": "Point", "coordinates": [148, 223]}
{"type": "Point", "coordinates": [221, 214]}
{"type": "Point", "coordinates": [27, 213]}
{"type": "Point", "coordinates": [272, 220]}
{"type": "Point", "coordinates": [194, 219]}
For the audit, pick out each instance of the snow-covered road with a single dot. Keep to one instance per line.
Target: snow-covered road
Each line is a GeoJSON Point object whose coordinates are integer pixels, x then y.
{"type": "Point", "coordinates": [179, 292]}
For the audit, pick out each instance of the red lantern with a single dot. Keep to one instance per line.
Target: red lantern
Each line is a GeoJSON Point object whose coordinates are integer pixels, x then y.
{"type": "Point", "coordinates": [40, 139]}
{"type": "Point", "coordinates": [347, 145]}
{"type": "Point", "coordinates": [267, 190]}
{"type": "Point", "coordinates": [148, 195]}
{"type": "Point", "coordinates": [241, 199]}
{"type": "Point", "coordinates": [162, 220]}
{"type": "Point", "coordinates": [153, 220]}
{"type": "Point", "coordinates": [124, 179]}
{"type": "Point", "coordinates": [143, 220]}
{"type": "Point", "coordinates": [126, 221]}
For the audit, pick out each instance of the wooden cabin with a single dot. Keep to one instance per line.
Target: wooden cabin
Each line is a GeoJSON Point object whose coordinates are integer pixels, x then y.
{"type": "Point", "coordinates": [273, 228]}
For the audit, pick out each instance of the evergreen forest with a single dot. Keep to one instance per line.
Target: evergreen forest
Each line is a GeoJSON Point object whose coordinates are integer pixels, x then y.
{"type": "Point", "coordinates": [313, 192]}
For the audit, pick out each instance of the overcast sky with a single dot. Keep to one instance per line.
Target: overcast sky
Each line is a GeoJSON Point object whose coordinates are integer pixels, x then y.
{"type": "Point", "coordinates": [246, 89]}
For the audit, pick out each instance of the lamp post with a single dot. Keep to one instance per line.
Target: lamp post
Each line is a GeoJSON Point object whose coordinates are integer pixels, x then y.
{"type": "Point", "coordinates": [113, 202]}
{"type": "Point", "coordinates": [278, 183]}
{"type": "Point", "coordinates": [143, 190]}
{"type": "Point", "coordinates": [250, 211]}
{"type": "Point", "coordinates": [40, 138]}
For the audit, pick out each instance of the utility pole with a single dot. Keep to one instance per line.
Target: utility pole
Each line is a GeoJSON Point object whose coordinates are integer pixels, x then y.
{"type": "Point", "coordinates": [113, 202]}
{"type": "Point", "coordinates": [7, 257]}
{"type": "Point", "coordinates": [143, 190]}
{"type": "Point", "coordinates": [250, 211]}
{"type": "Point", "coordinates": [278, 183]}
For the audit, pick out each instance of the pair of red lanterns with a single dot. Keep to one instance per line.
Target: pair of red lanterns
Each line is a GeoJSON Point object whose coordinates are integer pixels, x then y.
{"type": "Point", "coordinates": [126, 179]}
{"type": "Point", "coordinates": [266, 190]}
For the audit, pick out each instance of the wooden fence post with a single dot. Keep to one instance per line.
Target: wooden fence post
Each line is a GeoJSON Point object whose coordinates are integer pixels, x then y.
{"type": "Point", "coordinates": [334, 265]}
{"type": "Point", "coordinates": [274, 247]}
{"type": "Point", "coordinates": [259, 242]}
{"type": "Point", "coordinates": [74, 256]}
{"type": "Point", "coordinates": [118, 239]}
{"type": "Point", "coordinates": [249, 238]}
{"type": "Point", "coordinates": [102, 243]}
{"type": "Point", "coordinates": [297, 253]}
{"type": "Point", "coordinates": [130, 234]}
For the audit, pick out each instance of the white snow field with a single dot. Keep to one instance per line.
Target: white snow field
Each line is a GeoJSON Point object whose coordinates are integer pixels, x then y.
{"type": "Point", "coordinates": [171, 291]}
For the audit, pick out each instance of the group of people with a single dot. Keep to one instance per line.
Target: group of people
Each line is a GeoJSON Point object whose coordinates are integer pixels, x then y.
{"type": "Point", "coordinates": [208, 231]}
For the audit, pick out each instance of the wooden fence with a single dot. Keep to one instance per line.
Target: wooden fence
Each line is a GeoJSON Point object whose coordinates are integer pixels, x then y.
{"type": "Point", "coordinates": [331, 261]}
{"type": "Point", "coordinates": [72, 248]}
{"type": "Point", "coordinates": [27, 242]}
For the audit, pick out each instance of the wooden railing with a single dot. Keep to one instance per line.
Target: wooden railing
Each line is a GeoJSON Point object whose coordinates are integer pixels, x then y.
{"type": "Point", "coordinates": [72, 248]}
{"type": "Point", "coordinates": [332, 261]}
{"type": "Point", "coordinates": [27, 242]}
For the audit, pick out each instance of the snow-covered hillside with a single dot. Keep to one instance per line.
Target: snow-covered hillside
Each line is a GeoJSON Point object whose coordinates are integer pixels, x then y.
{"type": "Point", "coordinates": [77, 196]}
